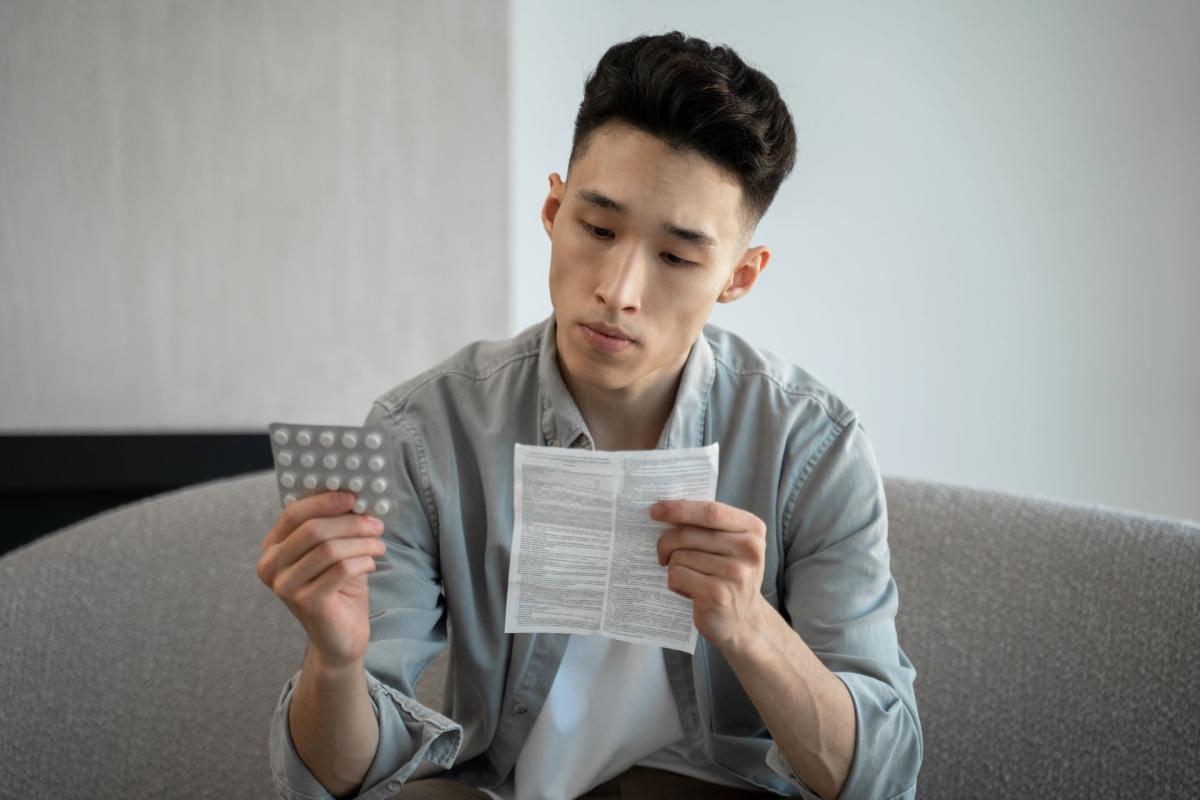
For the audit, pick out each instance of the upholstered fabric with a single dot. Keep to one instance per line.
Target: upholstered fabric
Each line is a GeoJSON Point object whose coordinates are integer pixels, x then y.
{"type": "Point", "coordinates": [1055, 646]}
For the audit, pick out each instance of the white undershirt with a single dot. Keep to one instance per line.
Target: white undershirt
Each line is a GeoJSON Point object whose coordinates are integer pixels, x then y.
{"type": "Point", "coordinates": [610, 707]}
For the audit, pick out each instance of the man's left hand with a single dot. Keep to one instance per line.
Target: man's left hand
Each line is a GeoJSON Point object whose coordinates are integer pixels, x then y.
{"type": "Point", "coordinates": [714, 556]}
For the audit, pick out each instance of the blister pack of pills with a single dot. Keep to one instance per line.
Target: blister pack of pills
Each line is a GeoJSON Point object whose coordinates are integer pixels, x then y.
{"type": "Point", "coordinates": [327, 458]}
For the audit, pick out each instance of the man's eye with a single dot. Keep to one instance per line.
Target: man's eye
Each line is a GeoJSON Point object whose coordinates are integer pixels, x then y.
{"type": "Point", "coordinates": [599, 233]}
{"type": "Point", "coordinates": [677, 261]}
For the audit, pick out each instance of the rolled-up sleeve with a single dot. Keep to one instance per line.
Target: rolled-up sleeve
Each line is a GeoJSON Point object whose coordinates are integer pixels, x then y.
{"type": "Point", "coordinates": [408, 631]}
{"type": "Point", "coordinates": [405, 727]}
{"type": "Point", "coordinates": [841, 598]}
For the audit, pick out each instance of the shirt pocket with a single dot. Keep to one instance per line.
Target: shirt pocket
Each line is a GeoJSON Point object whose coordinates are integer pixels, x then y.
{"type": "Point", "coordinates": [733, 713]}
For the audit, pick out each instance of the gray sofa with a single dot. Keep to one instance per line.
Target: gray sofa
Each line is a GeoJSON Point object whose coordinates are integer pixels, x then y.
{"type": "Point", "coordinates": [1057, 647]}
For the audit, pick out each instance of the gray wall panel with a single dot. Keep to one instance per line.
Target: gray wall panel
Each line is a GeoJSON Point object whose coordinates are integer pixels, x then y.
{"type": "Point", "coordinates": [215, 214]}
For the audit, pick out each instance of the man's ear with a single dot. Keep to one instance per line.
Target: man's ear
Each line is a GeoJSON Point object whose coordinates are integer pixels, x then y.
{"type": "Point", "coordinates": [553, 202]}
{"type": "Point", "coordinates": [753, 262]}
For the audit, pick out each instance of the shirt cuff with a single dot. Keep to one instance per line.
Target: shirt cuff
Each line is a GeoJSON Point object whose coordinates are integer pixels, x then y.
{"type": "Point", "coordinates": [779, 764]}
{"type": "Point", "coordinates": [409, 732]}
{"type": "Point", "coordinates": [887, 749]}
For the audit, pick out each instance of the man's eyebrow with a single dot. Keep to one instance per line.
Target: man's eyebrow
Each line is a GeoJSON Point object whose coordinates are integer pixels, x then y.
{"type": "Point", "coordinates": [600, 200]}
{"type": "Point", "coordinates": [698, 238]}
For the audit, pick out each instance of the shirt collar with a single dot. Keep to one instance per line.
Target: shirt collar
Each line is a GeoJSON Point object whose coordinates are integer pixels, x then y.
{"type": "Point", "coordinates": [562, 424]}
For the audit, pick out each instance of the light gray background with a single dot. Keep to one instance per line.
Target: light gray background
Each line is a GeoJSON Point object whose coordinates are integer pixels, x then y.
{"type": "Point", "coordinates": [218, 214]}
{"type": "Point", "coordinates": [214, 215]}
{"type": "Point", "coordinates": [990, 244]}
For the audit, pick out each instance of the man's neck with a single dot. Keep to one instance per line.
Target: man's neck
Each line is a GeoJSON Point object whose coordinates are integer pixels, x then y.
{"type": "Point", "coordinates": [625, 420]}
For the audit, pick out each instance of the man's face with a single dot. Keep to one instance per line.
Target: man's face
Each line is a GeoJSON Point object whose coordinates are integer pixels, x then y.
{"type": "Point", "coordinates": [643, 241]}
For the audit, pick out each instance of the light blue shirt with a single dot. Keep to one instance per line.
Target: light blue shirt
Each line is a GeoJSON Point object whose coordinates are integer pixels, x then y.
{"type": "Point", "coordinates": [791, 452]}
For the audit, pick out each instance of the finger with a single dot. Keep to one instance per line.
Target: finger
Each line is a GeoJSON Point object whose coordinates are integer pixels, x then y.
{"type": "Point", "coordinates": [311, 534]}
{"type": "Point", "coordinates": [322, 504]}
{"type": "Point", "coordinates": [321, 558]}
{"type": "Point", "coordinates": [686, 581]}
{"type": "Point", "coordinates": [704, 514]}
{"type": "Point", "coordinates": [331, 579]}
{"type": "Point", "coordinates": [319, 532]}
{"type": "Point", "coordinates": [706, 539]}
{"type": "Point", "coordinates": [706, 563]}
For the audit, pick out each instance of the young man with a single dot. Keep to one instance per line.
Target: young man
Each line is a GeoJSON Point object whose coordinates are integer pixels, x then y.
{"type": "Point", "coordinates": [798, 685]}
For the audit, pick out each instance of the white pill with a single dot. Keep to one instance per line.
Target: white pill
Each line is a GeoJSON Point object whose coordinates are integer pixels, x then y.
{"type": "Point", "coordinates": [288, 480]}
{"type": "Point", "coordinates": [307, 460]}
{"type": "Point", "coordinates": [379, 485]}
{"type": "Point", "coordinates": [373, 440]}
{"type": "Point", "coordinates": [281, 436]}
{"type": "Point", "coordinates": [353, 461]}
{"type": "Point", "coordinates": [356, 483]}
{"type": "Point", "coordinates": [381, 507]}
{"type": "Point", "coordinates": [284, 458]}
{"type": "Point", "coordinates": [360, 506]}
{"type": "Point", "coordinates": [310, 481]}
{"type": "Point", "coordinates": [289, 499]}
{"type": "Point", "coordinates": [327, 439]}
{"type": "Point", "coordinates": [330, 460]}
{"type": "Point", "coordinates": [333, 483]}
{"type": "Point", "coordinates": [375, 464]}
{"type": "Point", "coordinates": [303, 438]}
{"type": "Point", "coordinates": [349, 439]}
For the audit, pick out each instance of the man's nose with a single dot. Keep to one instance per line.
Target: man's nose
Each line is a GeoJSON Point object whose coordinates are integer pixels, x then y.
{"type": "Point", "coordinates": [622, 280]}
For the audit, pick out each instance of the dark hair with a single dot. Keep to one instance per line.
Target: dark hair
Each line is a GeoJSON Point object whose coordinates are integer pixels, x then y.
{"type": "Point", "coordinates": [697, 97]}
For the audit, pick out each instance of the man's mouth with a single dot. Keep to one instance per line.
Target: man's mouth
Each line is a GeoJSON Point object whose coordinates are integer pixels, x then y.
{"type": "Point", "coordinates": [600, 338]}
{"type": "Point", "coordinates": [608, 330]}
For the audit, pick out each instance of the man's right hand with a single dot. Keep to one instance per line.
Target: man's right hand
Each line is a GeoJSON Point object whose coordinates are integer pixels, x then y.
{"type": "Point", "coordinates": [315, 559]}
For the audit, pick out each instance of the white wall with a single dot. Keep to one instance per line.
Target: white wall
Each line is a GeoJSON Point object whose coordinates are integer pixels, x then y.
{"type": "Point", "coordinates": [218, 214]}
{"type": "Point", "coordinates": [988, 246]}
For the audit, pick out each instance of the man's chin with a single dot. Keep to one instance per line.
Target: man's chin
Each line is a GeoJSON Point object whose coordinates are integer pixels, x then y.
{"type": "Point", "coordinates": [596, 372]}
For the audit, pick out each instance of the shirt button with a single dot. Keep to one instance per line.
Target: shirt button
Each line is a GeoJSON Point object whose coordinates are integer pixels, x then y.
{"type": "Point", "coordinates": [519, 708]}
{"type": "Point", "coordinates": [393, 786]}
